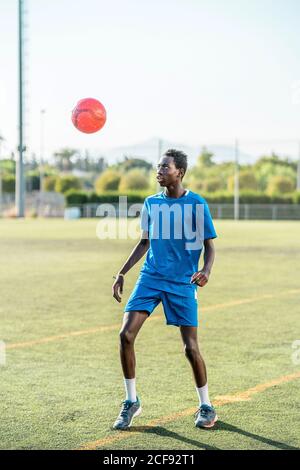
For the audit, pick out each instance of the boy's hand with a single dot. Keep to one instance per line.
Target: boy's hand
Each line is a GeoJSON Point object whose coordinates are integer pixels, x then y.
{"type": "Point", "coordinates": [117, 288]}
{"type": "Point", "coordinates": [200, 278]}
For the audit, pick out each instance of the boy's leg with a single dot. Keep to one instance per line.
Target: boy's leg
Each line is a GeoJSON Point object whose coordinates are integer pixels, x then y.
{"type": "Point", "coordinates": [192, 352]}
{"type": "Point", "coordinates": [131, 407]}
{"type": "Point", "coordinates": [132, 323]}
{"type": "Point", "coordinates": [206, 415]}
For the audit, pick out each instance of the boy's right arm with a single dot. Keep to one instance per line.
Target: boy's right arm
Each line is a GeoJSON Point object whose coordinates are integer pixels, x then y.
{"type": "Point", "coordinates": [137, 253]}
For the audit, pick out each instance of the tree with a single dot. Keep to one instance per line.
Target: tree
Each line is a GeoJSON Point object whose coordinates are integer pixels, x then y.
{"type": "Point", "coordinates": [267, 169]}
{"type": "Point", "coordinates": [129, 163]}
{"type": "Point", "coordinates": [8, 166]}
{"type": "Point", "coordinates": [63, 158]}
{"type": "Point", "coordinates": [205, 158]}
{"type": "Point", "coordinates": [1, 140]}
{"type": "Point", "coordinates": [109, 180]}
{"type": "Point", "coordinates": [49, 183]}
{"type": "Point", "coordinates": [274, 159]}
{"type": "Point", "coordinates": [280, 185]}
{"type": "Point", "coordinates": [88, 163]}
{"type": "Point", "coordinates": [64, 183]}
{"type": "Point", "coordinates": [213, 184]}
{"type": "Point", "coordinates": [134, 179]}
{"type": "Point", "coordinates": [247, 180]}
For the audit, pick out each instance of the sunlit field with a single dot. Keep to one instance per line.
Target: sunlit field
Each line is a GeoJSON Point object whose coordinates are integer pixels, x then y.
{"type": "Point", "coordinates": [61, 380]}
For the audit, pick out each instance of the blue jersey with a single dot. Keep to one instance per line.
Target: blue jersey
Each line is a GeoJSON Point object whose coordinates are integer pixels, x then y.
{"type": "Point", "coordinates": [177, 228]}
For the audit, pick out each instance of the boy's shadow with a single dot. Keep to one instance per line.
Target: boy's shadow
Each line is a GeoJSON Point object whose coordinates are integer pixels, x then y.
{"type": "Point", "coordinates": [219, 426]}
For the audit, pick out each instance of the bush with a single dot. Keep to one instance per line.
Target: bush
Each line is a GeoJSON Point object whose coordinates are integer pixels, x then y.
{"type": "Point", "coordinates": [224, 197]}
{"type": "Point", "coordinates": [193, 182]}
{"type": "Point", "coordinates": [254, 197]}
{"type": "Point", "coordinates": [211, 185]}
{"type": "Point", "coordinates": [81, 197]}
{"type": "Point", "coordinates": [32, 181]}
{"type": "Point", "coordinates": [8, 166]}
{"type": "Point", "coordinates": [247, 180]}
{"type": "Point", "coordinates": [49, 183]}
{"type": "Point", "coordinates": [247, 197]}
{"type": "Point", "coordinates": [65, 183]}
{"type": "Point", "coordinates": [75, 197]}
{"type": "Point", "coordinates": [113, 197]}
{"type": "Point", "coordinates": [218, 197]}
{"type": "Point", "coordinates": [280, 184]}
{"type": "Point", "coordinates": [296, 197]}
{"type": "Point", "coordinates": [134, 179]}
{"type": "Point", "coordinates": [109, 180]}
{"type": "Point", "coordinates": [8, 184]}
{"type": "Point", "coordinates": [265, 170]}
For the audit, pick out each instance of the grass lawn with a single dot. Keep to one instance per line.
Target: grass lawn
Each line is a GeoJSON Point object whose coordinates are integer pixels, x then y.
{"type": "Point", "coordinates": [61, 385]}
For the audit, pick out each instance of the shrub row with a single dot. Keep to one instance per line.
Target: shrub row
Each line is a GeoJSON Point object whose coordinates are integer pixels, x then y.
{"type": "Point", "coordinates": [246, 197]}
{"type": "Point", "coordinates": [252, 197]}
{"type": "Point", "coordinates": [80, 197]}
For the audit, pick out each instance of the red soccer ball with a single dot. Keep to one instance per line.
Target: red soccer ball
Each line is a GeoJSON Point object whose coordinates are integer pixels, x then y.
{"type": "Point", "coordinates": [89, 115]}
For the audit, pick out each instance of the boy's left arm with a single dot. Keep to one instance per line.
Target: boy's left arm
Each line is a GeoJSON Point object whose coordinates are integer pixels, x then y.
{"type": "Point", "coordinates": [201, 277]}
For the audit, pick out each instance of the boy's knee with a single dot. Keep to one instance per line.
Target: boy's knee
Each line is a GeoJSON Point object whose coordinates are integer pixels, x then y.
{"type": "Point", "coordinates": [191, 351]}
{"type": "Point", "coordinates": [126, 338]}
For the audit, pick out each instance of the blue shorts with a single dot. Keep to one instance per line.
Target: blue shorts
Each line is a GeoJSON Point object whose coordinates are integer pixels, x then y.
{"type": "Point", "coordinates": [179, 310]}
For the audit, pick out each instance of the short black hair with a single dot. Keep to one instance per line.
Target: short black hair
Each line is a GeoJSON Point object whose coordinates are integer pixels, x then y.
{"type": "Point", "coordinates": [179, 157]}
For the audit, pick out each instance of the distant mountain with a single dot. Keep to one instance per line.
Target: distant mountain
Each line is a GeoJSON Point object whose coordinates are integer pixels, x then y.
{"type": "Point", "coordinates": [149, 150]}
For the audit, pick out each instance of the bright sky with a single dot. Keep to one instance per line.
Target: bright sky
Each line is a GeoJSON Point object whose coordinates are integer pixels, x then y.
{"type": "Point", "coordinates": [191, 71]}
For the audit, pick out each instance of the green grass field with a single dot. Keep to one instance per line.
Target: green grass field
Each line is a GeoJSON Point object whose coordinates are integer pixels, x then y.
{"type": "Point", "coordinates": [63, 391]}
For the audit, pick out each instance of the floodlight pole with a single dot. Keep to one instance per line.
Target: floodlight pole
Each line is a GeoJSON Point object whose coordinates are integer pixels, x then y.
{"type": "Point", "coordinates": [42, 145]}
{"type": "Point", "coordinates": [236, 181]}
{"type": "Point", "coordinates": [20, 186]}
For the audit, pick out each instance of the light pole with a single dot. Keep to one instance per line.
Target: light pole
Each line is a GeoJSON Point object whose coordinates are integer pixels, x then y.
{"type": "Point", "coordinates": [42, 146]}
{"type": "Point", "coordinates": [236, 181]}
{"type": "Point", "coordinates": [41, 165]}
{"type": "Point", "coordinates": [20, 184]}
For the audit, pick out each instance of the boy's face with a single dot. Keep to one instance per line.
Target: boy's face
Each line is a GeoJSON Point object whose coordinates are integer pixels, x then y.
{"type": "Point", "coordinates": [167, 174]}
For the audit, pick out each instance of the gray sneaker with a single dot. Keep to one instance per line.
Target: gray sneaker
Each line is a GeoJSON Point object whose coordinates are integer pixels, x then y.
{"type": "Point", "coordinates": [206, 417]}
{"type": "Point", "coordinates": [128, 411]}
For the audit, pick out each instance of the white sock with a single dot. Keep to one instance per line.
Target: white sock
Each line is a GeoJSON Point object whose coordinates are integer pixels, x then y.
{"type": "Point", "coordinates": [203, 395]}
{"type": "Point", "coordinates": [130, 389]}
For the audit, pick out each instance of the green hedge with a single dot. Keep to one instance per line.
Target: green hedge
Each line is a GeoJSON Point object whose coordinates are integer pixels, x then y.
{"type": "Point", "coordinates": [220, 197]}
{"type": "Point", "coordinates": [249, 197]}
{"type": "Point", "coordinates": [8, 183]}
{"type": "Point", "coordinates": [296, 197]}
{"type": "Point", "coordinates": [76, 197]}
{"type": "Point", "coordinates": [80, 197]}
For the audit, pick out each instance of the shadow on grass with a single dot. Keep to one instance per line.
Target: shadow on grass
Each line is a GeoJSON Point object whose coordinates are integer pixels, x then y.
{"type": "Point", "coordinates": [219, 426]}
{"type": "Point", "coordinates": [163, 432]}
